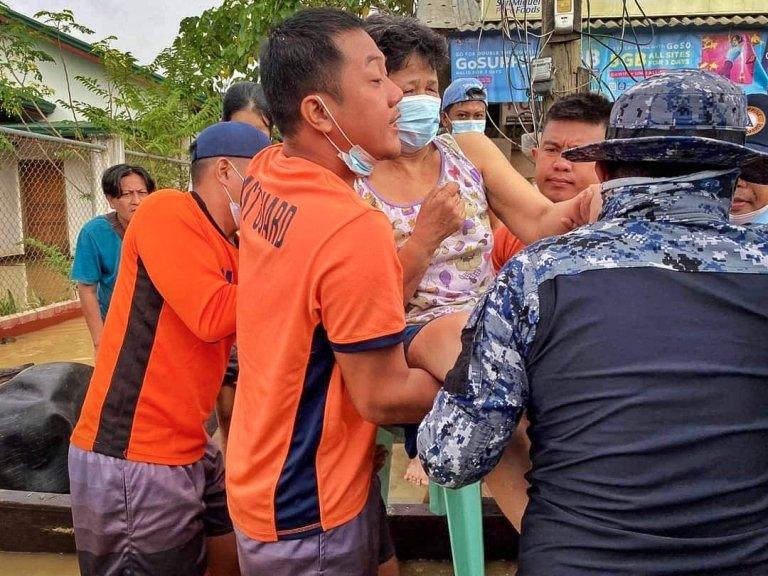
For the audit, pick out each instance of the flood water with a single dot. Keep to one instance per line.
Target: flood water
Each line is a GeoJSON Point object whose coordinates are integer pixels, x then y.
{"type": "Point", "coordinates": [66, 565]}
{"type": "Point", "coordinates": [69, 341]}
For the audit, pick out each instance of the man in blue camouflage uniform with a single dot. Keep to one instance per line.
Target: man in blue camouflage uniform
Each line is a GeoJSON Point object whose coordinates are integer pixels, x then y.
{"type": "Point", "coordinates": [637, 346]}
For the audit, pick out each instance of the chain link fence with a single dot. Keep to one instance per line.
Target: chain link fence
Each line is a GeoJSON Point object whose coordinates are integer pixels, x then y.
{"type": "Point", "coordinates": [49, 188]}
{"type": "Point", "coordinates": [167, 172]}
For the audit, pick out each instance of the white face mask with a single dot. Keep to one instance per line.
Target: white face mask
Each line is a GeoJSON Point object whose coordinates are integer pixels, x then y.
{"type": "Point", "coordinates": [756, 217]}
{"type": "Point", "coordinates": [357, 159]}
{"type": "Point", "coordinates": [234, 207]}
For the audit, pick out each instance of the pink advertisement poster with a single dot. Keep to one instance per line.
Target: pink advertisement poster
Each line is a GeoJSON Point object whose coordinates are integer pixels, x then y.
{"type": "Point", "coordinates": [732, 55]}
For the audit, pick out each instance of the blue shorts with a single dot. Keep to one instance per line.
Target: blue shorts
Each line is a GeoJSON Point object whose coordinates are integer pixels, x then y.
{"type": "Point", "coordinates": [410, 333]}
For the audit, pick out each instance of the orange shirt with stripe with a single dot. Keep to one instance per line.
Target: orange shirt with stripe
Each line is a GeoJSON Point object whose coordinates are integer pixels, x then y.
{"type": "Point", "coordinates": [167, 336]}
{"type": "Point", "coordinates": [320, 275]}
{"type": "Point", "coordinates": [505, 245]}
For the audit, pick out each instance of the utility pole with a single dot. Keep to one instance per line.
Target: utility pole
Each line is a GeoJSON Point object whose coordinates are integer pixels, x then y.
{"type": "Point", "coordinates": [561, 22]}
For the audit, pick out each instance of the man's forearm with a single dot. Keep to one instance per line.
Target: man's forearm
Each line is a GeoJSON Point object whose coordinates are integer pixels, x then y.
{"type": "Point", "coordinates": [405, 401]}
{"type": "Point", "coordinates": [89, 304]}
{"type": "Point", "coordinates": [382, 387]}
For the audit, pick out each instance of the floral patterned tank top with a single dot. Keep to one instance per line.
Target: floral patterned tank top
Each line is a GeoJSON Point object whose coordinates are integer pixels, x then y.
{"type": "Point", "coordinates": [461, 270]}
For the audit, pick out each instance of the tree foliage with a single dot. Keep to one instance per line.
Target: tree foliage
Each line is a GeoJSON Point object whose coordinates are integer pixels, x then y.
{"type": "Point", "coordinates": [21, 83]}
{"type": "Point", "coordinates": [154, 115]}
{"type": "Point", "coordinates": [223, 42]}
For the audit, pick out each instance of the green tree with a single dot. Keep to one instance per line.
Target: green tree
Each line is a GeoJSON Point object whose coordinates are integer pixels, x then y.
{"type": "Point", "coordinates": [154, 114]}
{"type": "Point", "coordinates": [223, 42]}
{"type": "Point", "coordinates": [21, 84]}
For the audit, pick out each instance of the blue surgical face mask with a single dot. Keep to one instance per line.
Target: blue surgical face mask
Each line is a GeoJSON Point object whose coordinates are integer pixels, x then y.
{"type": "Point", "coordinates": [357, 159]}
{"type": "Point", "coordinates": [759, 216]}
{"type": "Point", "coordinates": [463, 126]}
{"type": "Point", "coordinates": [419, 121]}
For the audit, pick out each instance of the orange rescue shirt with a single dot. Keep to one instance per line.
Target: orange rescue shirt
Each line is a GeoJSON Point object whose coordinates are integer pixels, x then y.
{"type": "Point", "coordinates": [320, 274]}
{"type": "Point", "coordinates": [505, 245]}
{"type": "Point", "coordinates": [167, 336]}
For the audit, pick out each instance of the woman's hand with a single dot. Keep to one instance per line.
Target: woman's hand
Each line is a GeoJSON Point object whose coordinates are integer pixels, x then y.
{"type": "Point", "coordinates": [441, 214]}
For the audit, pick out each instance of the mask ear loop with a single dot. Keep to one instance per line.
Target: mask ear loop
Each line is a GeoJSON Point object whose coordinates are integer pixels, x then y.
{"type": "Point", "coordinates": [336, 124]}
{"type": "Point", "coordinates": [236, 171]}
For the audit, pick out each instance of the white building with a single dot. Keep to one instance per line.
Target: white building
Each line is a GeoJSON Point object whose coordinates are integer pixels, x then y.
{"type": "Point", "coordinates": [48, 187]}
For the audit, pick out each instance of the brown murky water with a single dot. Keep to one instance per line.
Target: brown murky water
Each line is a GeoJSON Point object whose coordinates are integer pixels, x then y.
{"type": "Point", "coordinates": [66, 565]}
{"type": "Point", "coordinates": [12, 564]}
{"type": "Point", "coordinates": [69, 341]}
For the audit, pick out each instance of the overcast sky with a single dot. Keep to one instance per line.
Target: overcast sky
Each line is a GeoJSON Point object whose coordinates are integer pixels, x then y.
{"type": "Point", "coordinates": [142, 27]}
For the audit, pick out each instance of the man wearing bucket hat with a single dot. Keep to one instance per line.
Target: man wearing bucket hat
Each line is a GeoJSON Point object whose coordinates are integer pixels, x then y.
{"type": "Point", "coordinates": [464, 104]}
{"type": "Point", "coordinates": [637, 346]}
{"type": "Point", "coordinates": [750, 202]}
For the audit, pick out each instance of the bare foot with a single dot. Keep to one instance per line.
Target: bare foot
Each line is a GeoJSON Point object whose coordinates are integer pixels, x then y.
{"type": "Point", "coordinates": [415, 473]}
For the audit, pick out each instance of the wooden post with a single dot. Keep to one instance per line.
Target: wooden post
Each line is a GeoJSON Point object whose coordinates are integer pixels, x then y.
{"type": "Point", "coordinates": [565, 51]}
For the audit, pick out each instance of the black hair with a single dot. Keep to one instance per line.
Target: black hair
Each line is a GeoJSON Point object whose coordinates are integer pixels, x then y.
{"type": "Point", "coordinates": [110, 179]}
{"type": "Point", "coordinates": [589, 107]}
{"type": "Point", "coordinates": [300, 57]}
{"type": "Point", "coordinates": [197, 168]}
{"type": "Point", "coordinates": [400, 37]}
{"type": "Point", "coordinates": [616, 169]}
{"type": "Point", "coordinates": [245, 96]}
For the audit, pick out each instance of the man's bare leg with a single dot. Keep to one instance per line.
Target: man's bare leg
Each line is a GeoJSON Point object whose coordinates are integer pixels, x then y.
{"type": "Point", "coordinates": [222, 555]}
{"type": "Point", "coordinates": [390, 568]}
{"type": "Point", "coordinates": [507, 481]}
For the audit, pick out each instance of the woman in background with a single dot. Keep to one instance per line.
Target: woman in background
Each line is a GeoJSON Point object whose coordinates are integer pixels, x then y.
{"type": "Point", "coordinates": [245, 102]}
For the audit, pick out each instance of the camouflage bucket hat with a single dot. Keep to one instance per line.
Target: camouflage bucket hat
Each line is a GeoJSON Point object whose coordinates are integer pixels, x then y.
{"type": "Point", "coordinates": [689, 116]}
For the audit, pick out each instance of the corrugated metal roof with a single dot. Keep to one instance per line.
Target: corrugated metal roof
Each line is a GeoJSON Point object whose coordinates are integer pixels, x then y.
{"type": "Point", "coordinates": [674, 22]}
{"type": "Point", "coordinates": [460, 15]}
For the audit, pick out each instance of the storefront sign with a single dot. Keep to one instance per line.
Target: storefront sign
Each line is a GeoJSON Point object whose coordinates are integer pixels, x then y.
{"type": "Point", "coordinates": [739, 55]}
{"type": "Point", "coordinates": [496, 61]}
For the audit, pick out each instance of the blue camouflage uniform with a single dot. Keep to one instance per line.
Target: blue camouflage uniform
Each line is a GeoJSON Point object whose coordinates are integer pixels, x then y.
{"type": "Point", "coordinates": [637, 345]}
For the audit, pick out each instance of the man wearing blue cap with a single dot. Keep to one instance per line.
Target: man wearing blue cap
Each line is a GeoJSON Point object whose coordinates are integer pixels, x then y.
{"type": "Point", "coordinates": [637, 346]}
{"type": "Point", "coordinates": [147, 484]}
{"type": "Point", "coordinates": [464, 105]}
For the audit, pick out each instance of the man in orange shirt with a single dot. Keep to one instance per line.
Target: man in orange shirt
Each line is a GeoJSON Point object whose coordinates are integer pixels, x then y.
{"type": "Point", "coordinates": [321, 325]}
{"type": "Point", "coordinates": [574, 120]}
{"type": "Point", "coordinates": [146, 482]}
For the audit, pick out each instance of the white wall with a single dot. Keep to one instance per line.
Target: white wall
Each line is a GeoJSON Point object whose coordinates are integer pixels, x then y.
{"type": "Point", "coordinates": [67, 65]}
{"type": "Point", "coordinates": [79, 196]}
{"type": "Point", "coordinates": [10, 207]}
{"type": "Point", "coordinates": [13, 277]}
